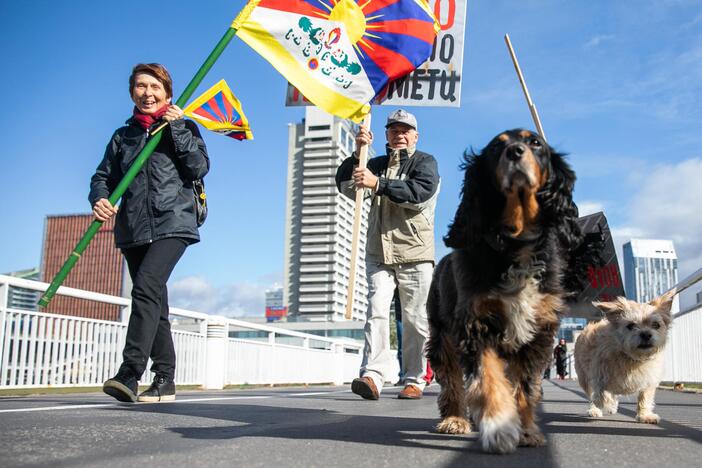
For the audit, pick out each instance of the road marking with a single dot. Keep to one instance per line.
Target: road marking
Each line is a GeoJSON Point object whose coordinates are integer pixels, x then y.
{"type": "Point", "coordinates": [191, 400]}
{"type": "Point", "coordinates": [54, 408]}
{"type": "Point", "coordinates": [187, 400]}
{"type": "Point", "coordinates": [315, 393]}
{"type": "Point", "coordinates": [128, 405]}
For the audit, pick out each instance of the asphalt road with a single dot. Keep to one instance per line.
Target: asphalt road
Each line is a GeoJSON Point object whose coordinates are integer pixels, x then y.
{"type": "Point", "coordinates": [329, 427]}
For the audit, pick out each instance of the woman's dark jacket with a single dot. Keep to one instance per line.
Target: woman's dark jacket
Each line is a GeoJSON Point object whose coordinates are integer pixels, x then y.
{"type": "Point", "coordinates": [560, 352]}
{"type": "Point", "coordinates": [159, 203]}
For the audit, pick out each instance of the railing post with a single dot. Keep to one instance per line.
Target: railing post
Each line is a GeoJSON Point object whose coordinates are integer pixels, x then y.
{"type": "Point", "coordinates": [671, 345]}
{"type": "Point", "coordinates": [4, 298]}
{"type": "Point", "coordinates": [124, 313]}
{"type": "Point", "coordinates": [306, 371]}
{"type": "Point", "coordinates": [271, 362]}
{"type": "Point", "coordinates": [339, 364]}
{"type": "Point", "coordinates": [570, 367]}
{"type": "Point", "coordinates": [202, 363]}
{"type": "Point", "coordinates": [216, 354]}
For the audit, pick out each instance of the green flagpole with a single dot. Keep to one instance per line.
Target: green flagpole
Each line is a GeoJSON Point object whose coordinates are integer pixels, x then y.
{"type": "Point", "coordinates": [145, 154]}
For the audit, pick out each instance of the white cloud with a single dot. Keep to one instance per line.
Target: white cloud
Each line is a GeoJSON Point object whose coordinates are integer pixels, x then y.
{"type": "Point", "coordinates": [232, 300]}
{"type": "Point", "coordinates": [588, 207]}
{"type": "Point", "coordinates": [666, 205]}
{"type": "Point", "coordinates": [597, 40]}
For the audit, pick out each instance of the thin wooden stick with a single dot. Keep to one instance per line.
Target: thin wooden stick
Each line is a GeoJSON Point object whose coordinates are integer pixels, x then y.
{"type": "Point", "coordinates": [532, 107]}
{"type": "Point", "coordinates": [357, 217]}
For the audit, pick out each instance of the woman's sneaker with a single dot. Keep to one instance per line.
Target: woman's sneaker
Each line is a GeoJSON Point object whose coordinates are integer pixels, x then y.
{"type": "Point", "coordinates": [161, 389]}
{"type": "Point", "coordinates": [122, 386]}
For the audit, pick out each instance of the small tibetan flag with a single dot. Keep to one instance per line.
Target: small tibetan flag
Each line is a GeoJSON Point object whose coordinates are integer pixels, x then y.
{"type": "Point", "coordinates": [217, 109]}
{"type": "Point", "coordinates": [340, 53]}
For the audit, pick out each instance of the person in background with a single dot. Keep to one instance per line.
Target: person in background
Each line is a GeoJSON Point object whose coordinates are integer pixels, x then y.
{"type": "Point", "coordinates": [155, 223]}
{"type": "Point", "coordinates": [560, 355]}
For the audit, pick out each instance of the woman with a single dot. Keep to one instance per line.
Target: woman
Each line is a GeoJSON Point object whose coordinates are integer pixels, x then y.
{"type": "Point", "coordinates": [155, 223]}
{"type": "Point", "coordinates": [560, 354]}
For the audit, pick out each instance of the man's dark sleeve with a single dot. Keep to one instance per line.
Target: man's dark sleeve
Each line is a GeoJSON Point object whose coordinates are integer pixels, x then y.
{"type": "Point", "coordinates": [344, 174]}
{"type": "Point", "coordinates": [414, 192]}
{"type": "Point", "coordinates": [344, 183]}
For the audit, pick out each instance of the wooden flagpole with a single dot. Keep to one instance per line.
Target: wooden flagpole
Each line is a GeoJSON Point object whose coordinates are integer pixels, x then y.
{"type": "Point", "coordinates": [357, 217]}
{"type": "Point", "coordinates": [532, 107]}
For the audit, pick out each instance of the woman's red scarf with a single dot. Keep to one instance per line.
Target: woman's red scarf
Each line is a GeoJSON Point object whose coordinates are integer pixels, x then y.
{"type": "Point", "coordinates": [147, 120]}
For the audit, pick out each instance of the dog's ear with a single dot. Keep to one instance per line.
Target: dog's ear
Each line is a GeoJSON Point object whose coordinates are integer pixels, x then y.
{"type": "Point", "coordinates": [664, 303]}
{"type": "Point", "coordinates": [559, 201]}
{"type": "Point", "coordinates": [468, 221]}
{"type": "Point", "coordinates": [613, 310]}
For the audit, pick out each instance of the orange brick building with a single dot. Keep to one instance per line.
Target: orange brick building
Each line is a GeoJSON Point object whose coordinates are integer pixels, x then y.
{"type": "Point", "coordinates": [101, 268]}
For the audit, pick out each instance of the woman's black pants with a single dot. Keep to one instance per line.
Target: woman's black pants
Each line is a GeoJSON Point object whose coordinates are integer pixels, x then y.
{"type": "Point", "coordinates": [149, 331]}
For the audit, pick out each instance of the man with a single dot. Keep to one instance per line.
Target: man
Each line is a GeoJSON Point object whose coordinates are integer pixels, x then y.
{"type": "Point", "coordinates": [399, 250]}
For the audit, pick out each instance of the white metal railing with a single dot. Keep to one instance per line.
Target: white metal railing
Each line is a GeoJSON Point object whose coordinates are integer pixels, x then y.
{"type": "Point", "coordinates": [41, 350]}
{"type": "Point", "coordinates": [683, 353]}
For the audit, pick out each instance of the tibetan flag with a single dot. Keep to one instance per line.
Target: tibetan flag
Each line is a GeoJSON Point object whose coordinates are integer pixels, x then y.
{"type": "Point", "coordinates": [217, 109]}
{"type": "Point", "coordinates": [340, 53]}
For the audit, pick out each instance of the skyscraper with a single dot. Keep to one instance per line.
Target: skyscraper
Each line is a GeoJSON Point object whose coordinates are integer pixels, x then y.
{"type": "Point", "coordinates": [650, 269]}
{"type": "Point", "coordinates": [319, 222]}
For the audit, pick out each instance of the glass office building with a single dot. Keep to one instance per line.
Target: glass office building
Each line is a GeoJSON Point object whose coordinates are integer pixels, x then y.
{"type": "Point", "coordinates": [650, 269]}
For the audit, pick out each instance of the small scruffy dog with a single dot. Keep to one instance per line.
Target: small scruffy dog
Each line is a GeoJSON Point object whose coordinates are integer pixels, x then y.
{"type": "Point", "coordinates": [623, 354]}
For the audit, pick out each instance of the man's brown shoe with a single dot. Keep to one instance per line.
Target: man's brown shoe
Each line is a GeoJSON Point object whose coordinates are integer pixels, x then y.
{"type": "Point", "coordinates": [365, 387]}
{"type": "Point", "coordinates": [410, 392]}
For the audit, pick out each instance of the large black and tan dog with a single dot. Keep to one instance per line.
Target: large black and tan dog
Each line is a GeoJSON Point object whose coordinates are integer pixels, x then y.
{"type": "Point", "coordinates": [495, 300]}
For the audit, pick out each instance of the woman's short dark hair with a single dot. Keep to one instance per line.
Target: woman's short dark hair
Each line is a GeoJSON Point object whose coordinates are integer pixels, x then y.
{"type": "Point", "coordinates": [156, 70]}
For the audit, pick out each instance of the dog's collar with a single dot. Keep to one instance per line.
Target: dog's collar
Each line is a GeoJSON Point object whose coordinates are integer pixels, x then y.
{"type": "Point", "coordinates": [499, 241]}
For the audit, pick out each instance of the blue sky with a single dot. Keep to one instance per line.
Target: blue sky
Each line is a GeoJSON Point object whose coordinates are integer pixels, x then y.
{"type": "Point", "coordinates": [618, 86]}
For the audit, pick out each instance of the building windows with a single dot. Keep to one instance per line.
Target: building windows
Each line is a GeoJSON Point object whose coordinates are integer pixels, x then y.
{"type": "Point", "coordinates": [346, 139]}
{"type": "Point", "coordinates": [651, 268]}
{"type": "Point", "coordinates": [318, 150]}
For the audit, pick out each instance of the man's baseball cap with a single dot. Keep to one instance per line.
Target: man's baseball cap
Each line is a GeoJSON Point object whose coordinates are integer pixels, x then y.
{"type": "Point", "coordinates": [403, 117]}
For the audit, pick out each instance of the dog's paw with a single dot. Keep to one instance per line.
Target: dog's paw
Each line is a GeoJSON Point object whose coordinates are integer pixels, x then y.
{"type": "Point", "coordinates": [650, 418]}
{"type": "Point", "coordinates": [532, 438]}
{"type": "Point", "coordinates": [611, 408]}
{"type": "Point", "coordinates": [453, 425]}
{"type": "Point", "coordinates": [500, 436]}
{"type": "Point", "coordinates": [595, 412]}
